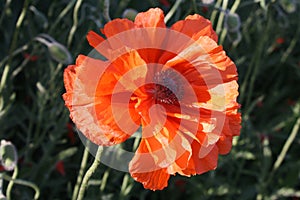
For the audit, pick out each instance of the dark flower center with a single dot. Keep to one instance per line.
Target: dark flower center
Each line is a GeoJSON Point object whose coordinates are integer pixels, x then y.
{"type": "Point", "coordinates": [168, 87]}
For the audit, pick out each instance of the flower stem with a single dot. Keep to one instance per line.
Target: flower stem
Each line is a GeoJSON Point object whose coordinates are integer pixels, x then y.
{"type": "Point", "coordinates": [104, 180]}
{"type": "Point", "coordinates": [232, 10]}
{"type": "Point", "coordinates": [11, 183]}
{"type": "Point", "coordinates": [89, 173]}
{"type": "Point", "coordinates": [214, 13]}
{"type": "Point", "coordinates": [172, 11]}
{"type": "Point", "coordinates": [1, 182]}
{"type": "Point", "coordinates": [75, 22]}
{"type": "Point", "coordinates": [82, 168]}
{"type": "Point", "coordinates": [221, 17]}
{"type": "Point", "coordinates": [24, 183]}
{"type": "Point", "coordinates": [18, 26]}
{"type": "Point", "coordinates": [287, 145]}
{"type": "Point", "coordinates": [106, 10]}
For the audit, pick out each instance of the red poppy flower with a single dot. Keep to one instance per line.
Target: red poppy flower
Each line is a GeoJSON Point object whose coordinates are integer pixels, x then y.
{"type": "Point", "coordinates": [280, 40]}
{"type": "Point", "coordinates": [165, 3]}
{"type": "Point", "coordinates": [176, 83]}
{"type": "Point", "coordinates": [60, 168]}
{"type": "Point", "coordinates": [71, 134]}
{"type": "Point", "coordinates": [30, 57]}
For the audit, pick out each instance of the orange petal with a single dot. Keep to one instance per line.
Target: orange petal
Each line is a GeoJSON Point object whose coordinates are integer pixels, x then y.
{"type": "Point", "coordinates": [144, 169]}
{"type": "Point", "coordinates": [69, 78]}
{"type": "Point", "coordinates": [154, 17]}
{"type": "Point", "coordinates": [94, 39]}
{"type": "Point", "coordinates": [117, 26]}
{"type": "Point", "coordinates": [195, 26]}
{"type": "Point", "coordinates": [81, 83]}
{"type": "Point", "coordinates": [162, 150]}
{"type": "Point", "coordinates": [201, 165]}
{"type": "Point", "coordinates": [224, 145]}
{"type": "Point", "coordinates": [154, 180]}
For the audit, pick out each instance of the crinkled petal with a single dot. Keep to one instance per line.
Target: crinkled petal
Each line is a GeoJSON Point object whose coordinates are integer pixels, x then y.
{"type": "Point", "coordinates": [200, 165]}
{"type": "Point", "coordinates": [100, 126]}
{"type": "Point", "coordinates": [162, 149]}
{"type": "Point", "coordinates": [153, 180]}
{"type": "Point", "coordinates": [224, 145]}
{"type": "Point", "coordinates": [117, 26]}
{"type": "Point", "coordinates": [195, 26]}
{"type": "Point", "coordinates": [154, 17]}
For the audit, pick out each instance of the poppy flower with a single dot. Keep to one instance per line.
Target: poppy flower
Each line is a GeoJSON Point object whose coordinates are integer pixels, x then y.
{"type": "Point", "coordinates": [165, 3]}
{"type": "Point", "coordinates": [71, 134]}
{"type": "Point", "coordinates": [176, 83]}
{"type": "Point", "coordinates": [30, 57]}
{"type": "Point", "coordinates": [280, 40]}
{"type": "Point", "coordinates": [60, 168]}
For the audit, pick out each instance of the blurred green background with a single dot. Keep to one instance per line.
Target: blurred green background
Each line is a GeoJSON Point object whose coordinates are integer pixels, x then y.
{"type": "Point", "coordinates": [38, 39]}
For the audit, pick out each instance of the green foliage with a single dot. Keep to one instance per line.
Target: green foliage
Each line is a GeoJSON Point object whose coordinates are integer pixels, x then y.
{"type": "Point", "coordinates": [262, 37]}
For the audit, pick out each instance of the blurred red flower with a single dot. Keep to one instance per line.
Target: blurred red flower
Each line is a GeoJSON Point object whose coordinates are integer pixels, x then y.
{"type": "Point", "coordinates": [165, 3]}
{"type": "Point", "coordinates": [71, 134]}
{"type": "Point", "coordinates": [280, 40]}
{"type": "Point", "coordinates": [30, 57]}
{"type": "Point", "coordinates": [60, 167]}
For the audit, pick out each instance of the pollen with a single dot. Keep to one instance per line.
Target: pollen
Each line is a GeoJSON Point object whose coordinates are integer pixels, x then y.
{"type": "Point", "coordinates": [168, 87]}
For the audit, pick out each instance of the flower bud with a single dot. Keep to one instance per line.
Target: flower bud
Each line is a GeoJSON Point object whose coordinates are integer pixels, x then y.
{"type": "Point", "coordinates": [232, 22]}
{"type": "Point", "coordinates": [60, 53]}
{"type": "Point", "coordinates": [129, 14]}
{"type": "Point", "coordinates": [57, 51]}
{"type": "Point", "coordinates": [288, 6]}
{"type": "Point", "coordinates": [8, 155]}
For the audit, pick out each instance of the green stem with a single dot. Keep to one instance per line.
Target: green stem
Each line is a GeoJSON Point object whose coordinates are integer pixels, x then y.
{"type": "Point", "coordinates": [16, 52]}
{"type": "Point", "coordinates": [232, 10]}
{"type": "Point", "coordinates": [286, 146]}
{"type": "Point", "coordinates": [172, 11]}
{"type": "Point", "coordinates": [280, 158]}
{"type": "Point", "coordinates": [18, 26]}
{"type": "Point", "coordinates": [11, 183]}
{"type": "Point", "coordinates": [251, 75]}
{"type": "Point", "coordinates": [292, 45]}
{"type": "Point", "coordinates": [106, 10]}
{"type": "Point", "coordinates": [62, 15]}
{"type": "Point", "coordinates": [4, 77]}
{"type": "Point", "coordinates": [89, 173]}
{"type": "Point", "coordinates": [75, 22]}
{"type": "Point", "coordinates": [24, 183]}
{"type": "Point", "coordinates": [1, 182]}
{"type": "Point", "coordinates": [235, 6]}
{"type": "Point", "coordinates": [104, 180]}
{"type": "Point", "coordinates": [221, 17]}
{"type": "Point", "coordinates": [4, 11]}
{"type": "Point", "coordinates": [214, 13]}
{"type": "Point", "coordinates": [125, 188]}
{"type": "Point", "coordinates": [81, 171]}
